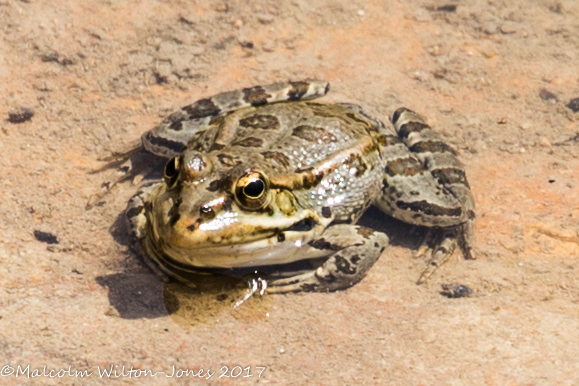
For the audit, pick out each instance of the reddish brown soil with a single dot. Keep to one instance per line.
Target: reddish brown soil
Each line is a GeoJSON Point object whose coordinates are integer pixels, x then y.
{"type": "Point", "coordinates": [494, 77]}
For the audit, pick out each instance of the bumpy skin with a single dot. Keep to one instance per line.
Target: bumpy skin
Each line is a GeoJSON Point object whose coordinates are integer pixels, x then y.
{"type": "Point", "coordinates": [263, 177]}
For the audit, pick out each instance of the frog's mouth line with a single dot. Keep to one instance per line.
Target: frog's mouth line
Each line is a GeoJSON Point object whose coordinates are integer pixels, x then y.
{"type": "Point", "coordinates": [287, 246]}
{"type": "Point", "coordinates": [304, 225]}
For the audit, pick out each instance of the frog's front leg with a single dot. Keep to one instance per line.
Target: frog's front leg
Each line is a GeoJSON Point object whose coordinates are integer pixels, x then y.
{"type": "Point", "coordinates": [137, 223]}
{"type": "Point", "coordinates": [355, 249]}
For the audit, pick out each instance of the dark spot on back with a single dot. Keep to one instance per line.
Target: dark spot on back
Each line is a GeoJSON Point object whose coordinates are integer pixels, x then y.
{"type": "Point", "coordinates": [314, 134]}
{"type": "Point", "coordinates": [326, 212]}
{"type": "Point", "coordinates": [280, 158]}
{"type": "Point", "coordinates": [249, 142]}
{"type": "Point", "coordinates": [260, 121]}
{"type": "Point", "coordinates": [255, 95]}
{"type": "Point", "coordinates": [298, 90]}
{"type": "Point", "coordinates": [216, 146]}
{"type": "Point", "coordinates": [432, 147]}
{"type": "Point", "coordinates": [191, 227]}
{"type": "Point", "coordinates": [280, 238]}
{"type": "Point", "coordinates": [429, 209]}
{"type": "Point", "coordinates": [355, 259]}
{"type": "Point", "coordinates": [411, 127]}
{"type": "Point", "coordinates": [447, 176]}
{"type": "Point", "coordinates": [201, 109]}
{"type": "Point", "coordinates": [404, 167]}
{"type": "Point", "coordinates": [228, 160]}
{"type": "Point", "coordinates": [471, 215]}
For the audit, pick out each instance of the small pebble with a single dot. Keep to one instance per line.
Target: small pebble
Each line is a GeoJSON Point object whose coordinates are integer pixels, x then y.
{"type": "Point", "coordinates": [23, 114]}
{"type": "Point", "coordinates": [574, 105]}
{"type": "Point", "coordinates": [447, 8]}
{"type": "Point", "coordinates": [508, 28]}
{"type": "Point", "coordinates": [50, 57]}
{"type": "Point", "coordinates": [44, 237]}
{"type": "Point", "coordinates": [360, 12]}
{"type": "Point", "coordinates": [455, 291]}
{"type": "Point", "coordinates": [545, 142]}
{"type": "Point", "coordinates": [547, 95]}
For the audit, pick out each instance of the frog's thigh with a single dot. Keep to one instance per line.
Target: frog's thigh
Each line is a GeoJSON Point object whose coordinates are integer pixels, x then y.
{"type": "Point", "coordinates": [443, 164]}
{"type": "Point", "coordinates": [356, 250]}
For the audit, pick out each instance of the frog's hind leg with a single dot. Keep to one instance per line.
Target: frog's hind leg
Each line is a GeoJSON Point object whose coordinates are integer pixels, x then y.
{"type": "Point", "coordinates": [169, 137]}
{"type": "Point", "coordinates": [355, 250]}
{"type": "Point", "coordinates": [442, 162]}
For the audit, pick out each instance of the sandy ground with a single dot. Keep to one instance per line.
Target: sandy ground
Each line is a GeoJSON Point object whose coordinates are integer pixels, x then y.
{"type": "Point", "coordinates": [494, 77]}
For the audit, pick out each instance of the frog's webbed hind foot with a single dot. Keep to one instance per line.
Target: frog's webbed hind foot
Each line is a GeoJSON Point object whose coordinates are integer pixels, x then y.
{"type": "Point", "coordinates": [357, 249]}
{"type": "Point", "coordinates": [443, 164]}
{"type": "Point", "coordinates": [441, 252]}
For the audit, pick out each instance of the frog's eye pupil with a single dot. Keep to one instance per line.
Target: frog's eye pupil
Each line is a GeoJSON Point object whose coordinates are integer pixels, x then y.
{"type": "Point", "coordinates": [170, 169]}
{"type": "Point", "coordinates": [171, 172]}
{"type": "Point", "coordinates": [254, 189]}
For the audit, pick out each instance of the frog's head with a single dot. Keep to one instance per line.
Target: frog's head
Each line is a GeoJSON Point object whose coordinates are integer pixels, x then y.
{"type": "Point", "coordinates": [207, 214]}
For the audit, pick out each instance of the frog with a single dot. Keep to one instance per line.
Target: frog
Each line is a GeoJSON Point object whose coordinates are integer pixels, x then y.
{"type": "Point", "coordinates": [270, 176]}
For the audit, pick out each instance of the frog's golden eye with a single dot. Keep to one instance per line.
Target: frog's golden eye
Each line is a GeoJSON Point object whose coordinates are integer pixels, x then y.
{"type": "Point", "coordinates": [251, 190]}
{"type": "Point", "coordinates": [171, 172]}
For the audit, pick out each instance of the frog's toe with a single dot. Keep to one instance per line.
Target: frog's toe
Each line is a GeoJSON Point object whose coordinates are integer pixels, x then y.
{"type": "Point", "coordinates": [307, 282]}
{"type": "Point", "coordinates": [440, 255]}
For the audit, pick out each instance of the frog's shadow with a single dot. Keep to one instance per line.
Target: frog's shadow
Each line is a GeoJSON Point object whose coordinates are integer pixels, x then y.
{"type": "Point", "coordinates": [143, 294]}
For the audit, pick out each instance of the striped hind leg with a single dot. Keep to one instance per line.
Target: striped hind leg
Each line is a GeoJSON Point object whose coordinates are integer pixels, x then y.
{"type": "Point", "coordinates": [171, 136]}
{"type": "Point", "coordinates": [443, 163]}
